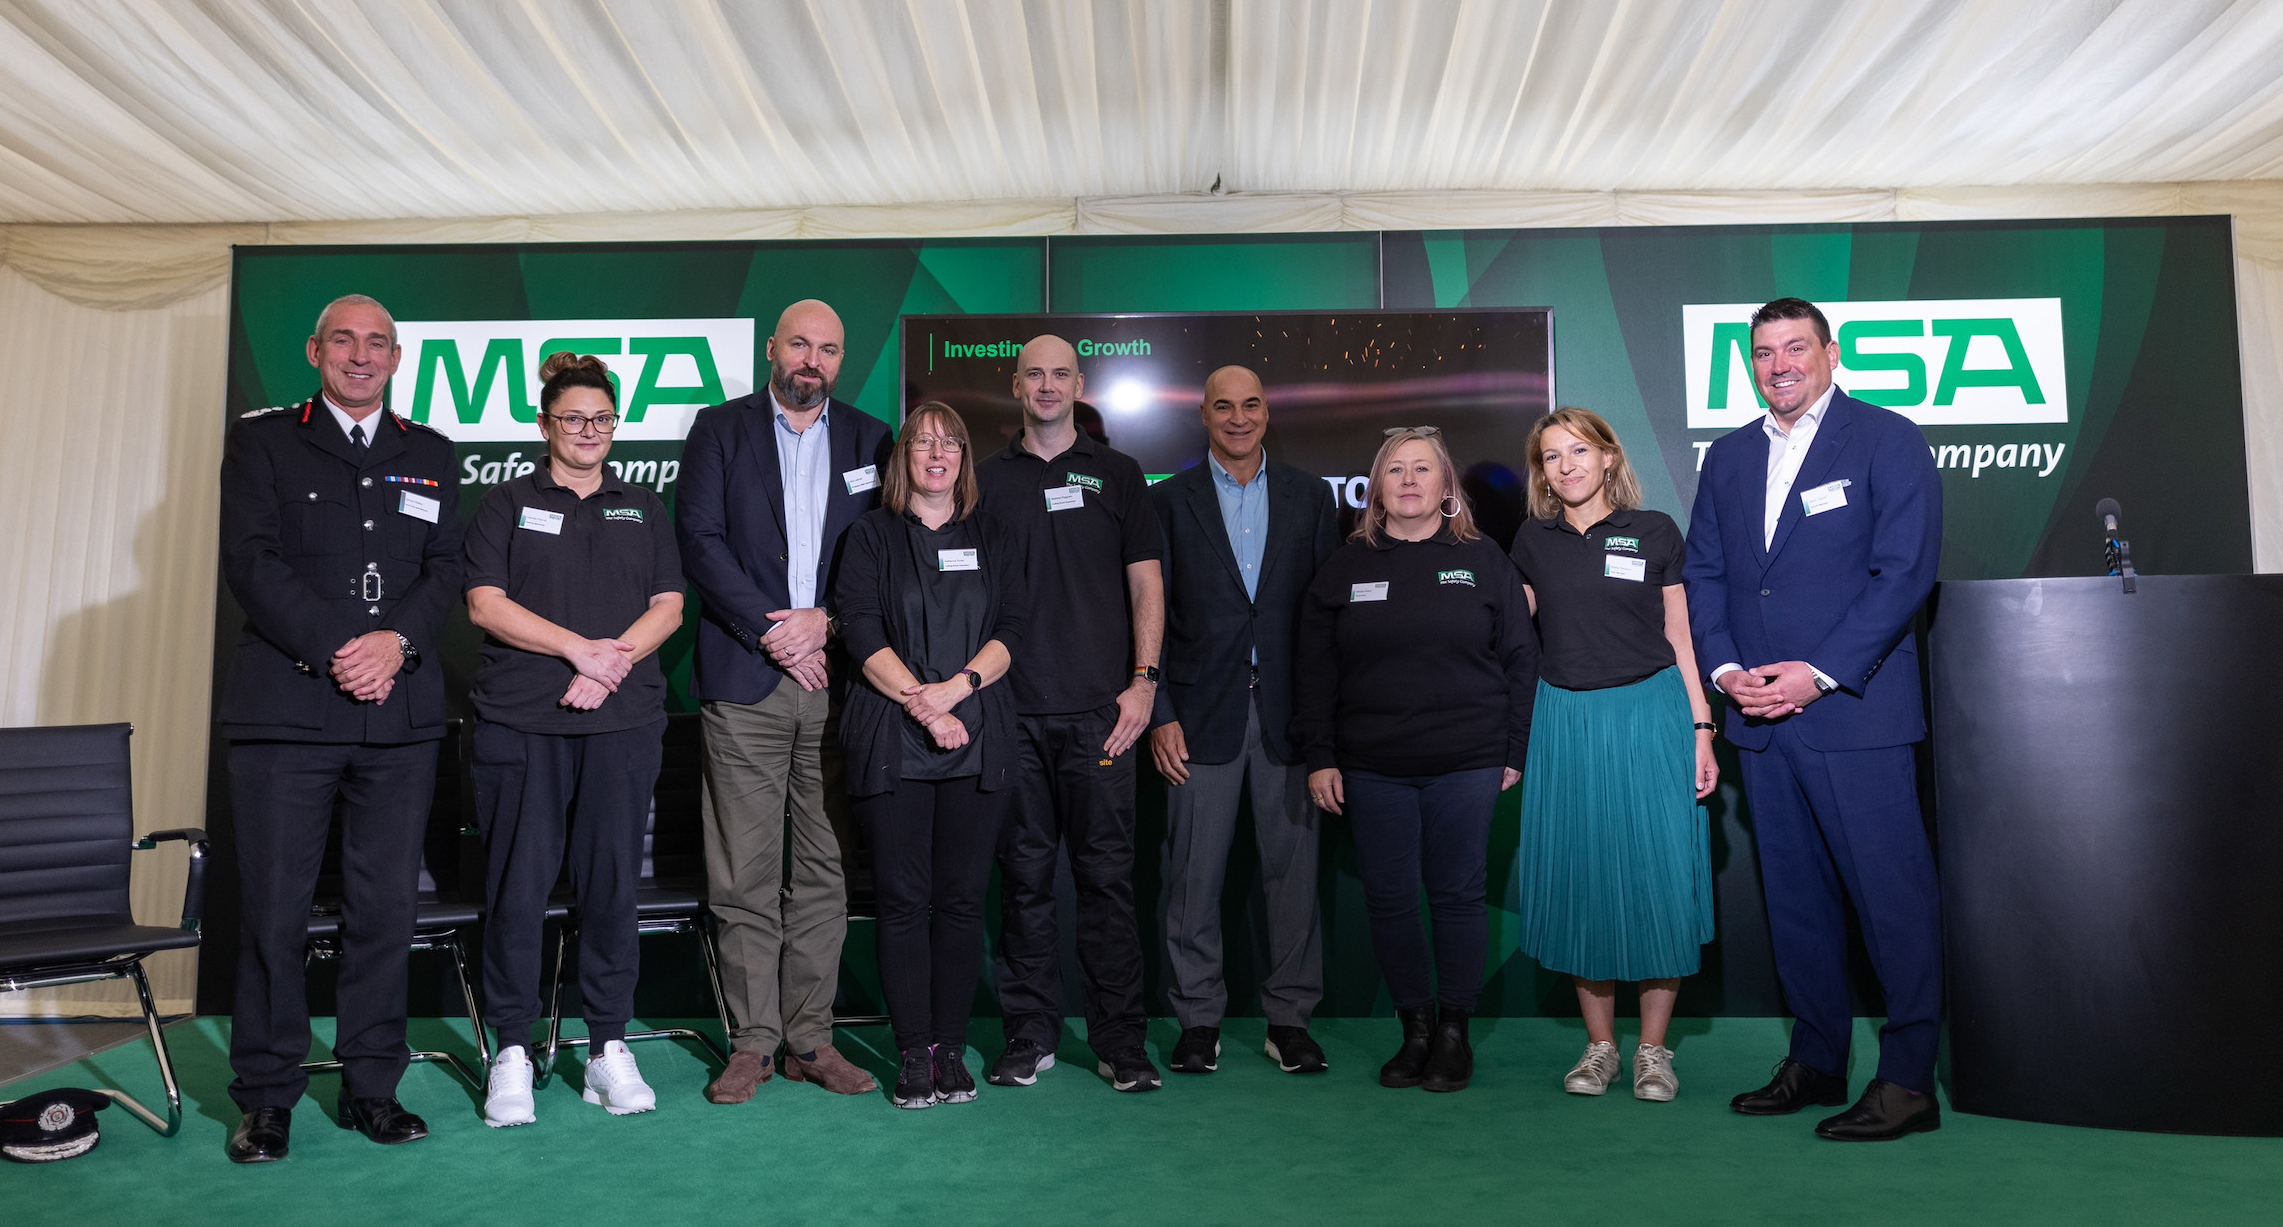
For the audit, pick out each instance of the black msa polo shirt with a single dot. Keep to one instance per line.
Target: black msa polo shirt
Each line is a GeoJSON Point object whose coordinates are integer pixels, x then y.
{"type": "Point", "coordinates": [589, 565]}
{"type": "Point", "coordinates": [1082, 517]}
{"type": "Point", "coordinates": [1601, 596]}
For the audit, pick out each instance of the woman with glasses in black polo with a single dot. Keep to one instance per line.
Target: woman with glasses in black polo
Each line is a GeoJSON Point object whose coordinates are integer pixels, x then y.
{"type": "Point", "coordinates": [574, 579]}
{"type": "Point", "coordinates": [931, 603]}
{"type": "Point", "coordinates": [1414, 715]}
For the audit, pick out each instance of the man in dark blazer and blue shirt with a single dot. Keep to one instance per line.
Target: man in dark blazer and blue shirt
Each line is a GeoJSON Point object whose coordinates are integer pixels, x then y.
{"type": "Point", "coordinates": [769, 483]}
{"type": "Point", "coordinates": [1813, 543]}
{"type": "Point", "coordinates": [1243, 537]}
{"type": "Point", "coordinates": [341, 541]}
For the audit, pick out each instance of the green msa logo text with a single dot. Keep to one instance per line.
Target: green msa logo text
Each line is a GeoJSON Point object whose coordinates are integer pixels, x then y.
{"type": "Point", "coordinates": [1956, 362]}
{"type": "Point", "coordinates": [1455, 577]}
{"type": "Point", "coordinates": [478, 380]}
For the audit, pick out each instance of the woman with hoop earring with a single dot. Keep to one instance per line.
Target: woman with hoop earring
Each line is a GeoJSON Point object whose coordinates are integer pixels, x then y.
{"type": "Point", "coordinates": [1414, 717]}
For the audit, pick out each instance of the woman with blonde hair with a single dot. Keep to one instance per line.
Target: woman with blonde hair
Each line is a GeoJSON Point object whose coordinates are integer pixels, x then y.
{"type": "Point", "coordinates": [1414, 716]}
{"type": "Point", "coordinates": [1614, 852]}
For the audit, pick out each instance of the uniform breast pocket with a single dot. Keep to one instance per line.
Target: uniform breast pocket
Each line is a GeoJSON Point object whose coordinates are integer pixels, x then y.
{"type": "Point", "coordinates": [406, 536]}
{"type": "Point", "coordinates": [314, 522]}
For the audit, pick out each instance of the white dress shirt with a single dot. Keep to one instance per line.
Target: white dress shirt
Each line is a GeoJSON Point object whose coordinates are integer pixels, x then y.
{"type": "Point", "coordinates": [1787, 450]}
{"type": "Point", "coordinates": [349, 423]}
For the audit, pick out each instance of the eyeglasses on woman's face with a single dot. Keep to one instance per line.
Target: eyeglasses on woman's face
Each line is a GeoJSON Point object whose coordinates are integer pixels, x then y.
{"type": "Point", "coordinates": [580, 423]}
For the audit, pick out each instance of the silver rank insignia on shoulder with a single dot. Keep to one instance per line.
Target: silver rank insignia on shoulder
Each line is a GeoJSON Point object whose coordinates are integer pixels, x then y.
{"type": "Point", "coordinates": [255, 413]}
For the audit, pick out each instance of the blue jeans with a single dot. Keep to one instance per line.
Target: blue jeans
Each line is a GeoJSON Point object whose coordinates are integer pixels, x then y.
{"type": "Point", "coordinates": [1431, 831]}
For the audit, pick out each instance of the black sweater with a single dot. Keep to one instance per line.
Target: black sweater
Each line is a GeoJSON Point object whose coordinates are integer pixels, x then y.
{"type": "Point", "coordinates": [1439, 676]}
{"type": "Point", "coordinates": [874, 570]}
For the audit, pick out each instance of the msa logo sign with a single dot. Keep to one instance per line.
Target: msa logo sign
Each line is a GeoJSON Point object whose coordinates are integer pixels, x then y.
{"type": "Point", "coordinates": [1962, 362]}
{"type": "Point", "coordinates": [478, 380]}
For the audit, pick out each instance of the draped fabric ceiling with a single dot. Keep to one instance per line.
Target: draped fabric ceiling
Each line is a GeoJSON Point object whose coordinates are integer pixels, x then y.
{"type": "Point", "coordinates": [139, 141]}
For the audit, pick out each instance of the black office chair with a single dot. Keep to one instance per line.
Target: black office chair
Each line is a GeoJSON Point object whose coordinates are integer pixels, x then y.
{"type": "Point", "coordinates": [67, 842]}
{"type": "Point", "coordinates": [671, 897]}
{"type": "Point", "coordinates": [448, 907]}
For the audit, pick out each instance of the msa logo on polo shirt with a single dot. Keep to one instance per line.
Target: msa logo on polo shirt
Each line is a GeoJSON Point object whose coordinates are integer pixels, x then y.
{"type": "Point", "coordinates": [1455, 577]}
{"type": "Point", "coordinates": [477, 381]}
{"type": "Point", "coordinates": [1954, 362]}
{"type": "Point", "coordinates": [1622, 543]}
{"type": "Point", "coordinates": [1080, 479]}
{"type": "Point", "coordinates": [632, 515]}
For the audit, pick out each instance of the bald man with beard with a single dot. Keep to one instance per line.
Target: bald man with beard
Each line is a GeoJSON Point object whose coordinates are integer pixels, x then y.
{"type": "Point", "coordinates": [1085, 683]}
{"type": "Point", "coordinates": [770, 482]}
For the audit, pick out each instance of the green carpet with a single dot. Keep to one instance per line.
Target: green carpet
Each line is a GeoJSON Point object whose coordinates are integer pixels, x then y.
{"type": "Point", "coordinates": [1248, 1145]}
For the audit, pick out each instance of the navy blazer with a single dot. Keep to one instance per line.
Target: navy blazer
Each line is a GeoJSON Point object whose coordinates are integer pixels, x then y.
{"type": "Point", "coordinates": [729, 519]}
{"type": "Point", "coordinates": [1211, 627]}
{"type": "Point", "coordinates": [1837, 589]}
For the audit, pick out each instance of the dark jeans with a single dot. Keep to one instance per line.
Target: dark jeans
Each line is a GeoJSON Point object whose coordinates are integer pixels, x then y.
{"type": "Point", "coordinates": [538, 795]}
{"type": "Point", "coordinates": [1431, 830]}
{"type": "Point", "coordinates": [1069, 793]}
{"type": "Point", "coordinates": [282, 796]}
{"type": "Point", "coordinates": [932, 842]}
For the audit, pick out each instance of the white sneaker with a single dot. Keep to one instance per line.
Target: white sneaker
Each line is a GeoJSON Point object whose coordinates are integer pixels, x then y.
{"type": "Point", "coordinates": [507, 1091]}
{"type": "Point", "coordinates": [614, 1082]}
{"type": "Point", "coordinates": [1594, 1071]}
{"type": "Point", "coordinates": [1653, 1077]}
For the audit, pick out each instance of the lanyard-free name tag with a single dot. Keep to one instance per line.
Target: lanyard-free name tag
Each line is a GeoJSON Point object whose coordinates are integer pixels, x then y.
{"type": "Point", "coordinates": [549, 522]}
{"type": "Point", "coordinates": [957, 560]}
{"type": "Point", "coordinates": [1618, 566]}
{"type": "Point", "coordinates": [860, 480]}
{"type": "Point", "coordinates": [418, 506]}
{"type": "Point", "coordinates": [1826, 497]}
{"type": "Point", "coordinates": [1358, 593]}
{"type": "Point", "coordinates": [1066, 498]}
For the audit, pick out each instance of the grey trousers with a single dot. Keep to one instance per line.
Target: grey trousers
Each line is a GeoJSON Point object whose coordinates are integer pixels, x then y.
{"type": "Point", "coordinates": [780, 933]}
{"type": "Point", "coordinates": [1201, 822]}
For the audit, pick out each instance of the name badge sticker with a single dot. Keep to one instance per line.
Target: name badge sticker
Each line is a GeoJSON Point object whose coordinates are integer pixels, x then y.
{"type": "Point", "coordinates": [1830, 496]}
{"type": "Point", "coordinates": [1618, 566]}
{"type": "Point", "coordinates": [860, 480]}
{"type": "Point", "coordinates": [538, 521]}
{"type": "Point", "coordinates": [1359, 593]}
{"type": "Point", "coordinates": [418, 506]}
{"type": "Point", "coordinates": [957, 560]}
{"type": "Point", "coordinates": [1065, 498]}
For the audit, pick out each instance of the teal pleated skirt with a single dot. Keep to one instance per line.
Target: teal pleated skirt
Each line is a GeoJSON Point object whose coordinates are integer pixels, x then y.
{"type": "Point", "coordinates": [1615, 855]}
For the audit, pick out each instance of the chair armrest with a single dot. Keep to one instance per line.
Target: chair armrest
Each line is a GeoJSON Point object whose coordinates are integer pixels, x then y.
{"type": "Point", "coordinates": [194, 884]}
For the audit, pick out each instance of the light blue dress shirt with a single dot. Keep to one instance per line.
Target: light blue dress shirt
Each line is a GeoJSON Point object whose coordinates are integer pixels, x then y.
{"type": "Point", "coordinates": [1244, 513]}
{"type": "Point", "coordinates": [804, 462]}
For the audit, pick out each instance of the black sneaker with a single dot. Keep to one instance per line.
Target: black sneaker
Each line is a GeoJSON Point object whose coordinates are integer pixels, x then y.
{"type": "Point", "coordinates": [1295, 1052]}
{"type": "Point", "coordinates": [915, 1082]}
{"type": "Point", "coordinates": [953, 1084]}
{"type": "Point", "coordinates": [1129, 1070]}
{"type": "Point", "coordinates": [1198, 1051]}
{"type": "Point", "coordinates": [1021, 1064]}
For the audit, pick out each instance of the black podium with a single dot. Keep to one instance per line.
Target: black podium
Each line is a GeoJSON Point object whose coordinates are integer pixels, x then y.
{"type": "Point", "coordinates": [2109, 783]}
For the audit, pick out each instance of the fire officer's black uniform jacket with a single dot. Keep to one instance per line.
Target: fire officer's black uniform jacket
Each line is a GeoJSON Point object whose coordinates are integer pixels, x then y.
{"type": "Point", "coordinates": [321, 544]}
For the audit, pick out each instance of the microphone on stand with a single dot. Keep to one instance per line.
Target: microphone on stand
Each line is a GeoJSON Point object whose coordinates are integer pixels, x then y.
{"type": "Point", "coordinates": [2116, 550]}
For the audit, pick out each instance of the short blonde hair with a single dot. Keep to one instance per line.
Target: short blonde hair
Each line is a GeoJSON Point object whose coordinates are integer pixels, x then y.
{"type": "Point", "coordinates": [1592, 430]}
{"type": "Point", "coordinates": [1371, 526]}
{"type": "Point", "coordinates": [896, 483]}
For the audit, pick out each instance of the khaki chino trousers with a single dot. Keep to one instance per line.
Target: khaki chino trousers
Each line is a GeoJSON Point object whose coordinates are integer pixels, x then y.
{"type": "Point", "coordinates": [780, 920]}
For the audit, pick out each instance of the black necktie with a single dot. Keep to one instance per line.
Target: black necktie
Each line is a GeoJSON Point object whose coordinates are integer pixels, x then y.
{"type": "Point", "coordinates": [357, 434]}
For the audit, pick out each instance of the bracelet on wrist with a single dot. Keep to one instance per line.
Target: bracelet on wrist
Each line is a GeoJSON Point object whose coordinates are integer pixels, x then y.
{"type": "Point", "coordinates": [1707, 727]}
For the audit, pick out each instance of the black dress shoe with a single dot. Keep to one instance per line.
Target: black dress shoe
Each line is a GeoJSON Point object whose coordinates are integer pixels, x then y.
{"type": "Point", "coordinates": [261, 1136]}
{"type": "Point", "coordinates": [1884, 1113]}
{"type": "Point", "coordinates": [1450, 1057]}
{"type": "Point", "coordinates": [1198, 1051]}
{"type": "Point", "coordinates": [383, 1120]}
{"type": "Point", "coordinates": [1295, 1051]}
{"type": "Point", "coordinates": [1410, 1061]}
{"type": "Point", "coordinates": [1795, 1086]}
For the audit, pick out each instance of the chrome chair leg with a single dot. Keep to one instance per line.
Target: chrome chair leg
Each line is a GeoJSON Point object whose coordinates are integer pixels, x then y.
{"type": "Point", "coordinates": [713, 975]}
{"type": "Point", "coordinates": [546, 1066]}
{"type": "Point", "coordinates": [173, 1122]}
{"type": "Point", "coordinates": [468, 995]}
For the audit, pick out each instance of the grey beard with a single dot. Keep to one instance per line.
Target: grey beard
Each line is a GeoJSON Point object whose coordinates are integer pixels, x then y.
{"type": "Point", "coordinates": [788, 394]}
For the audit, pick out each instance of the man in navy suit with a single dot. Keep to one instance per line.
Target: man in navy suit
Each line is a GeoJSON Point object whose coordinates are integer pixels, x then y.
{"type": "Point", "coordinates": [1243, 536]}
{"type": "Point", "coordinates": [770, 481]}
{"type": "Point", "coordinates": [1812, 545]}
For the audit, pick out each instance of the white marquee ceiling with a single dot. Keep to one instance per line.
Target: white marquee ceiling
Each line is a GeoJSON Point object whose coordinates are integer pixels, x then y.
{"type": "Point", "coordinates": [301, 110]}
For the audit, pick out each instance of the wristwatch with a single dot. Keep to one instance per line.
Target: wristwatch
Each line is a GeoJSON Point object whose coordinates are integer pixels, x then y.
{"type": "Point", "coordinates": [974, 679]}
{"type": "Point", "coordinates": [404, 647]}
{"type": "Point", "coordinates": [1824, 685]}
{"type": "Point", "coordinates": [1147, 673]}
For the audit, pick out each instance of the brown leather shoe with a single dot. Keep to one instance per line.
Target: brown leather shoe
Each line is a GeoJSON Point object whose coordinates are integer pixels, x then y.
{"type": "Point", "coordinates": [743, 1075]}
{"type": "Point", "coordinates": [831, 1071]}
